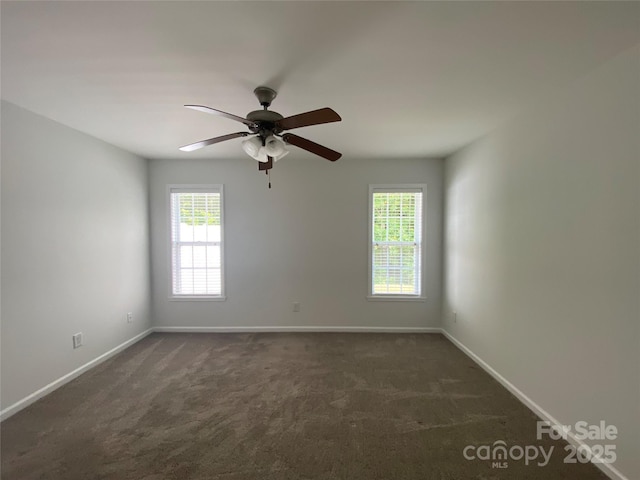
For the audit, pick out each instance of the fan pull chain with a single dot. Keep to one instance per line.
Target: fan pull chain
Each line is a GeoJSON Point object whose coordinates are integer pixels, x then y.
{"type": "Point", "coordinates": [269, 175]}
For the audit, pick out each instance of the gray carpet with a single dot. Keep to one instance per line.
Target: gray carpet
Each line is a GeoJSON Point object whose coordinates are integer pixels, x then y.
{"type": "Point", "coordinates": [277, 406]}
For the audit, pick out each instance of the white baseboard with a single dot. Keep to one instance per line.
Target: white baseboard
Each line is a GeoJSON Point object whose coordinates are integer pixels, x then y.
{"type": "Point", "coordinates": [607, 468]}
{"type": "Point", "coordinates": [37, 395]}
{"type": "Point", "coordinates": [298, 329]}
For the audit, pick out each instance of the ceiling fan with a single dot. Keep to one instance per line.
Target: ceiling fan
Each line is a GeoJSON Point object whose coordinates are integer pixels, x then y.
{"type": "Point", "coordinates": [267, 142]}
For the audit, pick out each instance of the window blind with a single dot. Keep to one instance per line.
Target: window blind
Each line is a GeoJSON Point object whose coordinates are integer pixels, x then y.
{"type": "Point", "coordinates": [196, 242]}
{"type": "Point", "coordinates": [396, 242]}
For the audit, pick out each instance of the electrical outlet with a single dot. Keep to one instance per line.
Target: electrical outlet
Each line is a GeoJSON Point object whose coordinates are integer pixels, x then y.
{"type": "Point", "coordinates": [129, 317]}
{"type": "Point", "coordinates": [296, 306]}
{"type": "Point", "coordinates": [77, 340]}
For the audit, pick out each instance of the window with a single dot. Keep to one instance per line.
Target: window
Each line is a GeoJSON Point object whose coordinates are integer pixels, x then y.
{"type": "Point", "coordinates": [196, 242]}
{"type": "Point", "coordinates": [396, 229]}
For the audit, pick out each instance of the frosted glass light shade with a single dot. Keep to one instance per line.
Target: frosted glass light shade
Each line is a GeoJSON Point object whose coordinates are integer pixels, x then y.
{"type": "Point", "coordinates": [262, 155]}
{"type": "Point", "coordinates": [252, 146]}
{"type": "Point", "coordinates": [274, 147]}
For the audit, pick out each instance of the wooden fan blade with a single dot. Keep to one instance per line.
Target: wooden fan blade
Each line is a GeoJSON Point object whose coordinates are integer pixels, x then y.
{"type": "Point", "coordinates": [315, 117]}
{"type": "Point", "coordinates": [213, 111]}
{"type": "Point", "coordinates": [195, 146]}
{"type": "Point", "coordinates": [268, 165]}
{"type": "Point", "coordinates": [312, 147]}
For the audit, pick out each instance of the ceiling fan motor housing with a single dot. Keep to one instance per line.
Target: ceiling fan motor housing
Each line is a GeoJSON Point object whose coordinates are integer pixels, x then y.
{"type": "Point", "coordinates": [265, 121]}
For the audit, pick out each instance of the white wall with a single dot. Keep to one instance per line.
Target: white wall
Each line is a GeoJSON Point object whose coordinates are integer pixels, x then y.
{"type": "Point", "coordinates": [74, 250]}
{"type": "Point", "coordinates": [304, 240]}
{"type": "Point", "coordinates": [542, 250]}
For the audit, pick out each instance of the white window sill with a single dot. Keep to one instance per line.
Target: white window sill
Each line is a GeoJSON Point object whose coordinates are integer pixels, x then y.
{"type": "Point", "coordinates": [195, 298]}
{"type": "Point", "coordinates": [396, 298]}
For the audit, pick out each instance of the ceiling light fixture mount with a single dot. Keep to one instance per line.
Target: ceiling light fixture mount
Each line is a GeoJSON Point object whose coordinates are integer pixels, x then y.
{"type": "Point", "coordinates": [265, 96]}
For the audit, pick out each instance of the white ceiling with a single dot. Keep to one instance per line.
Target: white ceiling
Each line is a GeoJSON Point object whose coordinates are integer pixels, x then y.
{"type": "Point", "coordinates": [410, 79]}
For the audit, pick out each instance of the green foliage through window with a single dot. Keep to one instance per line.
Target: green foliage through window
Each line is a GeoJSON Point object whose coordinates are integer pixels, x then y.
{"type": "Point", "coordinates": [200, 208]}
{"type": "Point", "coordinates": [394, 217]}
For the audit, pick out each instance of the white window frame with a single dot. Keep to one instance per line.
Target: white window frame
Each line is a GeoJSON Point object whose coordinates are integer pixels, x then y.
{"type": "Point", "coordinates": [196, 188]}
{"type": "Point", "coordinates": [403, 297]}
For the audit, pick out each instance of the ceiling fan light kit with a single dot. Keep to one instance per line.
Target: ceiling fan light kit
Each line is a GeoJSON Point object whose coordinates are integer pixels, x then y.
{"type": "Point", "coordinates": [273, 147]}
{"type": "Point", "coordinates": [268, 144]}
